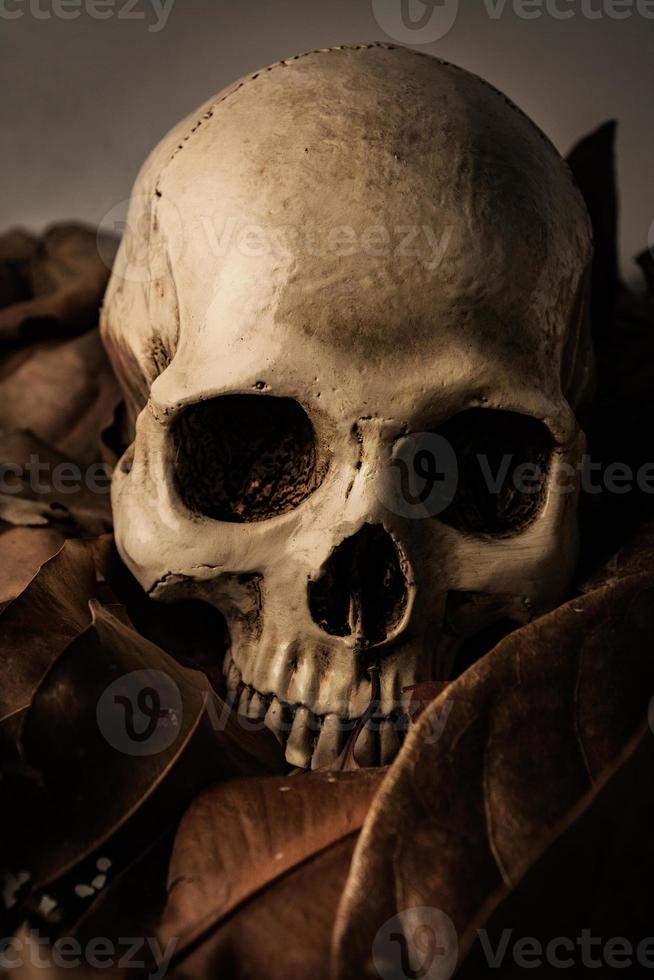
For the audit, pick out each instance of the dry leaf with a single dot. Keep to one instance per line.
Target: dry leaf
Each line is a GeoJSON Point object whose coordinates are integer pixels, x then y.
{"type": "Point", "coordinates": [530, 729]}
{"type": "Point", "coordinates": [80, 744]}
{"type": "Point", "coordinates": [67, 496]}
{"type": "Point", "coordinates": [24, 550]}
{"type": "Point", "coordinates": [592, 162]}
{"type": "Point", "coordinates": [38, 625]}
{"type": "Point", "coordinates": [64, 275]}
{"type": "Point", "coordinates": [191, 631]}
{"type": "Point", "coordinates": [253, 856]}
{"type": "Point", "coordinates": [62, 390]}
{"type": "Point", "coordinates": [596, 872]}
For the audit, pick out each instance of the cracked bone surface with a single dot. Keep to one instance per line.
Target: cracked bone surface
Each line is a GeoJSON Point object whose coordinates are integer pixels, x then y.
{"type": "Point", "coordinates": [334, 254]}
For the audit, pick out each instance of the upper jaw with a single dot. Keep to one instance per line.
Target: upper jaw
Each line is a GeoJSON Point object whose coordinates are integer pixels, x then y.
{"type": "Point", "coordinates": [314, 740]}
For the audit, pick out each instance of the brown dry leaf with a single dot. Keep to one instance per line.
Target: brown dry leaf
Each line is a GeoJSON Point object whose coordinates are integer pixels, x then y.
{"type": "Point", "coordinates": [253, 860]}
{"type": "Point", "coordinates": [62, 274]}
{"type": "Point", "coordinates": [77, 736]}
{"type": "Point", "coordinates": [466, 809]}
{"type": "Point", "coordinates": [62, 390]}
{"type": "Point", "coordinates": [60, 387]}
{"type": "Point", "coordinates": [422, 696]}
{"type": "Point", "coordinates": [32, 959]}
{"type": "Point", "coordinates": [635, 556]}
{"type": "Point", "coordinates": [23, 551]}
{"type": "Point", "coordinates": [17, 252]}
{"type": "Point", "coordinates": [597, 872]}
{"type": "Point", "coordinates": [191, 631]}
{"type": "Point", "coordinates": [43, 487]}
{"type": "Point", "coordinates": [621, 426]}
{"type": "Point", "coordinates": [592, 161]}
{"type": "Point", "coordinates": [38, 625]}
{"type": "Point", "coordinates": [281, 934]}
{"type": "Point", "coordinates": [130, 905]}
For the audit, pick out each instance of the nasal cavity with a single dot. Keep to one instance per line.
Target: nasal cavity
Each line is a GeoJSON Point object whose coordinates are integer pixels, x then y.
{"type": "Point", "coordinates": [362, 591]}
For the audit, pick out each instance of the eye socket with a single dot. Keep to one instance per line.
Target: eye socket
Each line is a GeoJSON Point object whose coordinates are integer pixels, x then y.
{"type": "Point", "coordinates": [504, 460]}
{"type": "Point", "coordinates": [241, 458]}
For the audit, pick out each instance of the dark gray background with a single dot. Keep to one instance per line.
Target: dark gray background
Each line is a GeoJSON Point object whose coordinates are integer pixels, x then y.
{"type": "Point", "coordinates": [85, 99]}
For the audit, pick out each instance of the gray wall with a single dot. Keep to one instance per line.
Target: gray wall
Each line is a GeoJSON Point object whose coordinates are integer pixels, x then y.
{"type": "Point", "coordinates": [84, 99]}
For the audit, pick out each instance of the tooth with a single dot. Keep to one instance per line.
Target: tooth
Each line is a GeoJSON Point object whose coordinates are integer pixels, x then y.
{"type": "Point", "coordinates": [233, 677]}
{"type": "Point", "coordinates": [344, 692]}
{"type": "Point", "coordinates": [233, 680]}
{"type": "Point", "coordinates": [366, 749]}
{"type": "Point", "coordinates": [272, 667]}
{"type": "Point", "coordinates": [329, 742]}
{"type": "Point", "coordinates": [303, 683]}
{"type": "Point", "coordinates": [232, 697]}
{"type": "Point", "coordinates": [391, 695]}
{"type": "Point", "coordinates": [257, 707]}
{"type": "Point", "coordinates": [244, 700]}
{"type": "Point", "coordinates": [278, 720]}
{"type": "Point", "coordinates": [390, 740]}
{"type": "Point", "coordinates": [300, 742]}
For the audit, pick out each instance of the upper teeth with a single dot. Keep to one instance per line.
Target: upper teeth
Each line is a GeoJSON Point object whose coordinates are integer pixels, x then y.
{"type": "Point", "coordinates": [311, 740]}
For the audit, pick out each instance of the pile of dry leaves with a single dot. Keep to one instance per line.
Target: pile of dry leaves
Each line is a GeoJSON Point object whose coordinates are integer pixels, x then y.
{"type": "Point", "coordinates": [522, 799]}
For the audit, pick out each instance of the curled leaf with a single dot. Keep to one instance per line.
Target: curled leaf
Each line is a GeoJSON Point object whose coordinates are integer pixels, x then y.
{"type": "Point", "coordinates": [24, 550]}
{"type": "Point", "coordinates": [468, 807]}
{"type": "Point", "coordinates": [40, 486]}
{"type": "Point", "coordinates": [117, 724]}
{"type": "Point", "coordinates": [243, 848]}
{"type": "Point", "coordinates": [62, 274]}
{"type": "Point", "coordinates": [595, 872]}
{"type": "Point", "coordinates": [38, 625]}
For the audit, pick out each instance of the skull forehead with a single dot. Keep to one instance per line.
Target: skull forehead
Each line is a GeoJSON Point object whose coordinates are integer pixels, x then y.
{"type": "Point", "coordinates": [357, 197]}
{"type": "Point", "coordinates": [412, 371]}
{"type": "Point", "coordinates": [485, 249]}
{"type": "Point", "coordinates": [360, 135]}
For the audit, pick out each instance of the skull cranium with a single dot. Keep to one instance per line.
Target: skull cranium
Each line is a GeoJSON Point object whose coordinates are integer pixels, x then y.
{"type": "Point", "coordinates": [330, 264]}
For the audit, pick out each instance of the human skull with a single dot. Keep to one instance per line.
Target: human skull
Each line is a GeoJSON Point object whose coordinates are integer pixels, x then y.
{"type": "Point", "coordinates": [333, 266]}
